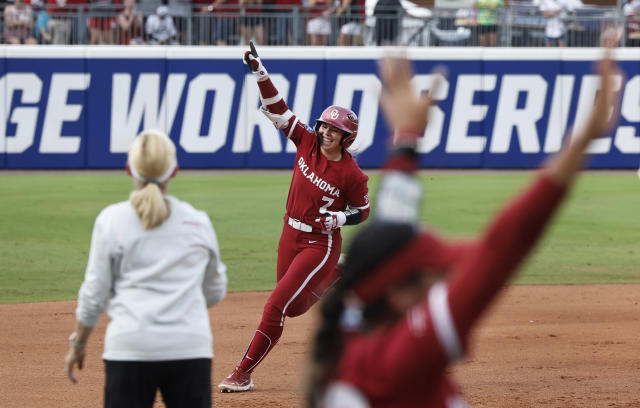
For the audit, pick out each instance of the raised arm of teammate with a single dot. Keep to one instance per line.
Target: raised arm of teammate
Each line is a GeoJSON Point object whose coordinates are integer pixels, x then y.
{"type": "Point", "coordinates": [519, 225]}
{"type": "Point", "coordinates": [453, 307]}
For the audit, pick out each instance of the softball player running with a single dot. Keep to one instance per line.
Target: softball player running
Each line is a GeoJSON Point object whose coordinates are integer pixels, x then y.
{"type": "Point", "coordinates": [405, 305]}
{"type": "Point", "coordinates": [326, 181]}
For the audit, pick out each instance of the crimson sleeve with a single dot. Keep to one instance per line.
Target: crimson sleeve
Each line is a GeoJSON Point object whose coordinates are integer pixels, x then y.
{"type": "Point", "coordinates": [358, 195]}
{"type": "Point", "coordinates": [507, 241]}
{"type": "Point", "coordinates": [365, 214]}
{"type": "Point", "coordinates": [271, 98]}
{"type": "Point", "coordinates": [434, 333]}
{"type": "Point", "coordinates": [275, 103]}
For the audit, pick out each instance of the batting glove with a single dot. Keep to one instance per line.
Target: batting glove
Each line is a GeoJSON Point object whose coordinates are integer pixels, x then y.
{"type": "Point", "coordinates": [334, 220]}
{"type": "Point", "coordinates": [255, 65]}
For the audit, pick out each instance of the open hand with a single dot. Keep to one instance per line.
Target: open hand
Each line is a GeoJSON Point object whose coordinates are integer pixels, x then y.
{"type": "Point", "coordinates": [403, 108]}
{"type": "Point", "coordinates": [605, 110]}
{"type": "Point", "coordinates": [74, 357]}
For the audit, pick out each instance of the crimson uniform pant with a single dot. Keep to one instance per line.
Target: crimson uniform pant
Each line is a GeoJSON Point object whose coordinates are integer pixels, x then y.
{"type": "Point", "coordinates": [306, 267]}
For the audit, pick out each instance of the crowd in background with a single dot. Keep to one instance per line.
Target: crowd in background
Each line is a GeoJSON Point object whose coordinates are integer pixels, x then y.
{"type": "Point", "coordinates": [313, 22]}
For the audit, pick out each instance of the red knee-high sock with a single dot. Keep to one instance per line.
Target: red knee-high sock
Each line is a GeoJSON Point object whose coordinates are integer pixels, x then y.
{"type": "Point", "coordinates": [264, 339]}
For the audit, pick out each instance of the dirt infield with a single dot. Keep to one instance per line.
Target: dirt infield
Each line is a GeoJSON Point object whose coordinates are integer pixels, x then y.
{"type": "Point", "coordinates": [540, 346]}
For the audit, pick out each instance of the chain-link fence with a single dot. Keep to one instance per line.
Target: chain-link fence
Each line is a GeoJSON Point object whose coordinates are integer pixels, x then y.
{"type": "Point", "coordinates": [519, 25]}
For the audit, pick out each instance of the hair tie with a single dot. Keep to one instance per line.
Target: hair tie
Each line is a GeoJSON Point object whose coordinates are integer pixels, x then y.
{"type": "Point", "coordinates": [159, 180]}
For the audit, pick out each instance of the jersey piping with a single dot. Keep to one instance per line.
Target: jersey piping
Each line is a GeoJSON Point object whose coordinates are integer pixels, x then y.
{"type": "Point", "coordinates": [443, 321]}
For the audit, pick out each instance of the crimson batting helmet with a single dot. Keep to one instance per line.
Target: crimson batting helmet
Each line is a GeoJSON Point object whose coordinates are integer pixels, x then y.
{"type": "Point", "coordinates": [342, 118]}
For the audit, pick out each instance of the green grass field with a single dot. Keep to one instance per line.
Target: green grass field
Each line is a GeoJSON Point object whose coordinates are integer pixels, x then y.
{"type": "Point", "coordinates": [46, 225]}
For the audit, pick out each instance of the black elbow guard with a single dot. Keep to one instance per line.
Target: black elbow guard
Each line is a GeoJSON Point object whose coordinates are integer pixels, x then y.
{"type": "Point", "coordinates": [354, 216]}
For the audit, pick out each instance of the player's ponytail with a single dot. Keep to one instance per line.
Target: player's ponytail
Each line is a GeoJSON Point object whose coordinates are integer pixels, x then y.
{"type": "Point", "coordinates": [152, 162]}
{"type": "Point", "coordinates": [367, 249]}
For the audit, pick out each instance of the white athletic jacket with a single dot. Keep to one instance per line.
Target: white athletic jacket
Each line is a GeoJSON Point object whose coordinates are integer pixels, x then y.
{"type": "Point", "coordinates": [158, 283]}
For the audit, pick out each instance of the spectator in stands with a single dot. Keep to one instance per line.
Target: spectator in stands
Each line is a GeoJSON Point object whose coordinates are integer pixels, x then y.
{"type": "Point", "coordinates": [388, 15]}
{"type": "Point", "coordinates": [18, 23]}
{"type": "Point", "coordinates": [130, 24]}
{"type": "Point", "coordinates": [160, 28]}
{"type": "Point", "coordinates": [632, 14]}
{"type": "Point", "coordinates": [102, 21]}
{"type": "Point", "coordinates": [487, 21]}
{"type": "Point", "coordinates": [41, 28]}
{"type": "Point", "coordinates": [202, 22]}
{"type": "Point", "coordinates": [226, 21]}
{"type": "Point", "coordinates": [148, 7]}
{"type": "Point", "coordinates": [349, 19]}
{"type": "Point", "coordinates": [63, 13]}
{"type": "Point", "coordinates": [251, 21]}
{"type": "Point", "coordinates": [180, 12]}
{"type": "Point", "coordinates": [555, 11]}
{"type": "Point", "coordinates": [319, 25]}
{"type": "Point", "coordinates": [287, 26]}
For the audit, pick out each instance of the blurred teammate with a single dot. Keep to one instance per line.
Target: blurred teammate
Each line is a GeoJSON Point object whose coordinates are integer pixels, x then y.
{"type": "Point", "coordinates": [407, 300]}
{"type": "Point", "coordinates": [326, 180]}
{"type": "Point", "coordinates": [156, 261]}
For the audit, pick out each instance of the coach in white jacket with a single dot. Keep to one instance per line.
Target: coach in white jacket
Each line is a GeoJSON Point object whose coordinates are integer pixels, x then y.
{"type": "Point", "coordinates": [155, 265]}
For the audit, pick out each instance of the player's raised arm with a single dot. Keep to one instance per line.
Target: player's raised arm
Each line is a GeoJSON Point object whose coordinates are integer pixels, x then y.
{"type": "Point", "coordinates": [563, 167]}
{"type": "Point", "coordinates": [273, 106]}
{"type": "Point", "coordinates": [407, 114]}
{"type": "Point", "coordinates": [473, 282]}
{"type": "Point", "coordinates": [517, 228]}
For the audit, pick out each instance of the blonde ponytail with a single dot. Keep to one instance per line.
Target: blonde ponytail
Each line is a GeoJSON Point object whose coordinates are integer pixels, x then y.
{"type": "Point", "coordinates": [150, 205]}
{"type": "Point", "coordinates": [152, 161]}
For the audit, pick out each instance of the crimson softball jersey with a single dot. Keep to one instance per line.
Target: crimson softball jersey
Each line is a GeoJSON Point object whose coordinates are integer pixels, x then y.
{"type": "Point", "coordinates": [318, 184]}
{"type": "Point", "coordinates": [404, 365]}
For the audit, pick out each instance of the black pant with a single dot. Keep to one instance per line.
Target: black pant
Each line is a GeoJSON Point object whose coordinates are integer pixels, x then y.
{"type": "Point", "coordinates": [133, 384]}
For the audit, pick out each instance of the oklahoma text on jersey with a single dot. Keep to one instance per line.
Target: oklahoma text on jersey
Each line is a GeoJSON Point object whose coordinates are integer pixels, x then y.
{"type": "Point", "coordinates": [318, 181]}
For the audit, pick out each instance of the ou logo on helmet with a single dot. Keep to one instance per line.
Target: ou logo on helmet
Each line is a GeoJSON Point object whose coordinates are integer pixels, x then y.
{"type": "Point", "coordinates": [335, 114]}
